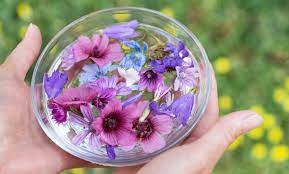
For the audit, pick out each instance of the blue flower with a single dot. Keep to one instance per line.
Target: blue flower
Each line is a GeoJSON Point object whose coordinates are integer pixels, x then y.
{"type": "Point", "coordinates": [136, 58]}
{"type": "Point", "coordinates": [92, 72]}
{"type": "Point", "coordinates": [54, 84]}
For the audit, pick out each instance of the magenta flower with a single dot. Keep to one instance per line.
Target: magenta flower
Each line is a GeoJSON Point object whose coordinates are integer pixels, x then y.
{"type": "Point", "coordinates": [150, 131]}
{"type": "Point", "coordinates": [110, 82]}
{"type": "Point", "coordinates": [85, 121]}
{"type": "Point", "coordinates": [99, 49]}
{"type": "Point", "coordinates": [54, 84]}
{"type": "Point", "coordinates": [114, 124]}
{"type": "Point", "coordinates": [122, 31]}
{"type": "Point", "coordinates": [103, 97]}
{"type": "Point", "coordinates": [150, 80]}
{"type": "Point", "coordinates": [59, 113]}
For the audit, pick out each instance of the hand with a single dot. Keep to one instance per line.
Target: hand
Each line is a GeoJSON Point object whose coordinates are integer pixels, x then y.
{"type": "Point", "coordinates": [205, 146]}
{"type": "Point", "coordinates": [24, 148]}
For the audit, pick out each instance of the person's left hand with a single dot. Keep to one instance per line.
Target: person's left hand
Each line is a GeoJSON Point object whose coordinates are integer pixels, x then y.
{"type": "Point", "coordinates": [24, 148]}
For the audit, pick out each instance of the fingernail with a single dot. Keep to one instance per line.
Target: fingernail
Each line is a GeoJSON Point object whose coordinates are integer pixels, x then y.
{"type": "Point", "coordinates": [252, 121]}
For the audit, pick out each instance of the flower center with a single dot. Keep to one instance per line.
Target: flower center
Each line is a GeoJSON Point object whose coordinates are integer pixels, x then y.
{"type": "Point", "coordinates": [95, 52]}
{"type": "Point", "coordinates": [100, 103]}
{"type": "Point", "coordinates": [111, 122]}
{"type": "Point", "coordinates": [143, 129]}
{"type": "Point", "coordinates": [150, 75]}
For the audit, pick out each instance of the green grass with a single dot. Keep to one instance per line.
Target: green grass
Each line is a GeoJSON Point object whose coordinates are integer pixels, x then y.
{"type": "Point", "coordinates": [252, 34]}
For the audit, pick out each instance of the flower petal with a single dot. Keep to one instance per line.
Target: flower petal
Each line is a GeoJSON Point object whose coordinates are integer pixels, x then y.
{"type": "Point", "coordinates": [87, 112]}
{"type": "Point", "coordinates": [93, 141]}
{"type": "Point", "coordinates": [73, 118]}
{"type": "Point", "coordinates": [110, 152]}
{"type": "Point", "coordinates": [78, 139]}
{"type": "Point", "coordinates": [162, 124]}
{"type": "Point", "coordinates": [54, 84]}
{"type": "Point", "coordinates": [153, 143]}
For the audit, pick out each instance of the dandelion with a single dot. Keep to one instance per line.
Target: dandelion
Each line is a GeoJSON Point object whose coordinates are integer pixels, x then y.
{"type": "Point", "coordinates": [275, 135]}
{"type": "Point", "coordinates": [269, 120]}
{"type": "Point", "coordinates": [121, 17]}
{"type": "Point", "coordinates": [237, 143]}
{"type": "Point", "coordinates": [168, 11]}
{"type": "Point", "coordinates": [24, 11]}
{"type": "Point", "coordinates": [257, 133]}
{"type": "Point", "coordinates": [279, 95]}
{"type": "Point", "coordinates": [259, 151]}
{"type": "Point", "coordinates": [225, 103]}
{"type": "Point", "coordinates": [279, 153]}
{"type": "Point", "coordinates": [258, 109]}
{"type": "Point", "coordinates": [223, 65]}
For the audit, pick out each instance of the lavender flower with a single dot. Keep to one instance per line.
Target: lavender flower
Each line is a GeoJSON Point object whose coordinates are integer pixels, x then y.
{"type": "Point", "coordinates": [186, 78]}
{"type": "Point", "coordinates": [122, 31]}
{"type": "Point", "coordinates": [103, 97]}
{"type": "Point", "coordinates": [182, 107]}
{"type": "Point", "coordinates": [85, 121]}
{"type": "Point", "coordinates": [136, 58]}
{"type": "Point", "coordinates": [150, 80]}
{"type": "Point", "coordinates": [54, 84]}
{"type": "Point", "coordinates": [166, 64]}
{"type": "Point", "coordinates": [110, 152]}
{"type": "Point", "coordinates": [59, 112]}
{"type": "Point", "coordinates": [179, 51]}
{"type": "Point", "coordinates": [132, 100]}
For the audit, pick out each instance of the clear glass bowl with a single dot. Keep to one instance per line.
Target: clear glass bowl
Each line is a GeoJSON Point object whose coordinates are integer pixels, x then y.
{"type": "Point", "coordinates": [99, 20]}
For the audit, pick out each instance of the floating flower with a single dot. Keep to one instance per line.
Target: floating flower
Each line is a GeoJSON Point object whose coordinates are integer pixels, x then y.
{"type": "Point", "coordinates": [114, 123]}
{"type": "Point", "coordinates": [150, 80]}
{"type": "Point", "coordinates": [24, 11]}
{"type": "Point", "coordinates": [257, 133]}
{"type": "Point", "coordinates": [110, 152]}
{"type": "Point", "coordinates": [122, 31]}
{"type": "Point", "coordinates": [88, 130]}
{"type": "Point", "coordinates": [54, 84]}
{"type": "Point", "coordinates": [186, 78]}
{"type": "Point", "coordinates": [259, 151]}
{"type": "Point", "coordinates": [132, 100]}
{"type": "Point", "coordinates": [223, 65]}
{"type": "Point", "coordinates": [99, 49]}
{"type": "Point", "coordinates": [225, 102]}
{"type": "Point", "coordinates": [275, 135]}
{"type": "Point", "coordinates": [110, 82]}
{"type": "Point", "coordinates": [166, 64]}
{"type": "Point", "coordinates": [136, 58]}
{"type": "Point", "coordinates": [160, 91]}
{"type": "Point", "coordinates": [150, 131]}
{"type": "Point", "coordinates": [131, 76]}
{"type": "Point", "coordinates": [92, 72]}
{"type": "Point", "coordinates": [103, 97]}
{"type": "Point", "coordinates": [182, 107]}
{"type": "Point", "coordinates": [179, 51]}
{"type": "Point", "coordinates": [59, 112]}
{"type": "Point", "coordinates": [279, 153]}
{"type": "Point", "coordinates": [68, 58]}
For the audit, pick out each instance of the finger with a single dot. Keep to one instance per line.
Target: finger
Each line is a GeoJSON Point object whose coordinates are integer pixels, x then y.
{"type": "Point", "coordinates": [213, 144]}
{"type": "Point", "coordinates": [23, 56]}
{"type": "Point", "coordinates": [211, 114]}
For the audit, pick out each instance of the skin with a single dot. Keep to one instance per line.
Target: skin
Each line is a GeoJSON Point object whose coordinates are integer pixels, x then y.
{"type": "Point", "coordinates": [24, 148]}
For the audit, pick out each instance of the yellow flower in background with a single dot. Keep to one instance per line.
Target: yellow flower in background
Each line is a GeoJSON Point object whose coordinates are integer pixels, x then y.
{"type": "Point", "coordinates": [258, 109]}
{"type": "Point", "coordinates": [286, 83]}
{"type": "Point", "coordinates": [237, 143]}
{"type": "Point", "coordinates": [257, 133]}
{"type": "Point", "coordinates": [223, 65]}
{"type": "Point", "coordinates": [280, 94]}
{"type": "Point", "coordinates": [269, 120]}
{"type": "Point", "coordinates": [121, 17]}
{"type": "Point", "coordinates": [259, 151]}
{"type": "Point", "coordinates": [279, 153]}
{"type": "Point", "coordinates": [168, 11]}
{"type": "Point", "coordinates": [24, 11]}
{"type": "Point", "coordinates": [285, 105]}
{"type": "Point", "coordinates": [275, 135]}
{"type": "Point", "coordinates": [77, 171]}
{"type": "Point", "coordinates": [225, 102]}
{"type": "Point", "coordinates": [22, 31]}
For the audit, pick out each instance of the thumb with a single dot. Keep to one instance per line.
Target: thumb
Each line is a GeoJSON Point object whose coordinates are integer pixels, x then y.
{"type": "Point", "coordinates": [216, 141]}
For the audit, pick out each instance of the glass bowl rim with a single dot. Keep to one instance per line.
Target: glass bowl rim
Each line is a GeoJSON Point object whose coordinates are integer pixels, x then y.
{"type": "Point", "coordinates": [145, 158]}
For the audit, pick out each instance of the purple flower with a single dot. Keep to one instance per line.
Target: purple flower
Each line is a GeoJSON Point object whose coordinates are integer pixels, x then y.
{"type": "Point", "coordinates": [110, 152]}
{"type": "Point", "coordinates": [103, 97]}
{"type": "Point", "coordinates": [150, 80]}
{"type": "Point", "coordinates": [150, 131]}
{"type": "Point", "coordinates": [122, 31]}
{"type": "Point", "coordinates": [54, 84]}
{"type": "Point", "coordinates": [160, 91]}
{"type": "Point", "coordinates": [166, 64]}
{"type": "Point", "coordinates": [110, 82]}
{"type": "Point", "coordinates": [99, 49]}
{"type": "Point", "coordinates": [114, 124]}
{"type": "Point", "coordinates": [182, 107]}
{"type": "Point", "coordinates": [132, 100]}
{"type": "Point", "coordinates": [59, 113]}
{"type": "Point", "coordinates": [179, 51]}
{"type": "Point", "coordinates": [85, 121]}
{"type": "Point", "coordinates": [186, 78]}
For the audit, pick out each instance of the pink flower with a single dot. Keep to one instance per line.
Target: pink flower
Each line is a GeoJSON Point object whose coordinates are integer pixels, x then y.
{"type": "Point", "coordinates": [114, 124]}
{"type": "Point", "coordinates": [99, 49]}
{"type": "Point", "coordinates": [150, 131]}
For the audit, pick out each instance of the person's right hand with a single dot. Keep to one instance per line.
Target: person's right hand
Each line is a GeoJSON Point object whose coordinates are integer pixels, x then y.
{"type": "Point", "coordinates": [205, 146]}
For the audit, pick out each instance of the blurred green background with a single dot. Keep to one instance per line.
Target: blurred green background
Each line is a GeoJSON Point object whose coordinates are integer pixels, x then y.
{"type": "Point", "coordinates": [247, 42]}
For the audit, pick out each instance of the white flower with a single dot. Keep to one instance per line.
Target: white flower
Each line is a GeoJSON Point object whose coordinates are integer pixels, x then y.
{"type": "Point", "coordinates": [131, 75]}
